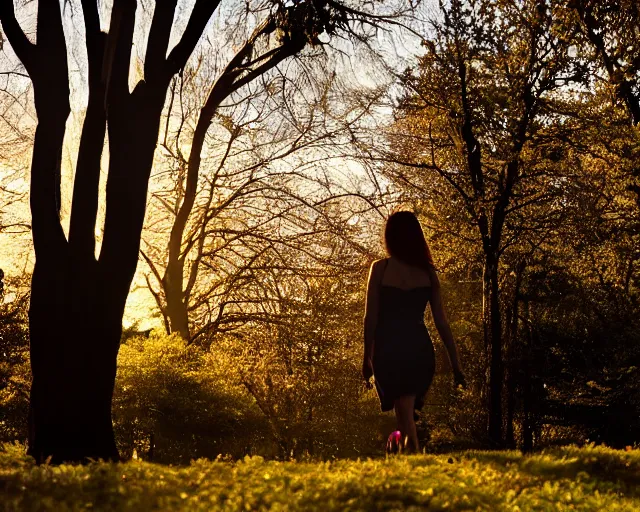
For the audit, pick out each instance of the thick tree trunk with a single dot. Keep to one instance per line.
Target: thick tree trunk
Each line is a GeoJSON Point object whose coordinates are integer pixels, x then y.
{"type": "Point", "coordinates": [74, 344]}
{"type": "Point", "coordinates": [77, 304]}
{"type": "Point", "coordinates": [76, 324]}
{"type": "Point", "coordinates": [74, 333]}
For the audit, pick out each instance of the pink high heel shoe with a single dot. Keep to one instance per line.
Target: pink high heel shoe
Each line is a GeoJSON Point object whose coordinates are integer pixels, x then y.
{"type": "Point", "coordinates": [394, 443]}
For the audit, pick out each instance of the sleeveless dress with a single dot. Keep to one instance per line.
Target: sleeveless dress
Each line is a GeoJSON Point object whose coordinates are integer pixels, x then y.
{"type": "Point", "coordinates": [403, 355]}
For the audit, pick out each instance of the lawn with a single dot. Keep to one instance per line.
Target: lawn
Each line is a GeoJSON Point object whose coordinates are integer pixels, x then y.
{"type": "Point", "coordinates": [569, 478]}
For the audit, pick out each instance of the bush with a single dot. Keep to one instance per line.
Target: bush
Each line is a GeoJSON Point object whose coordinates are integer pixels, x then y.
{"type": "Point", "coordinates": [317, 409]}
{"type": "Point", "coordinates": [167, 407]}
{"type": "Point", "coordinates": [15, 372]}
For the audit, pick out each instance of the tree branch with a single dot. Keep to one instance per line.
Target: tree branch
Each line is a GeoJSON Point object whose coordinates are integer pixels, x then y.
{"type": "Point", "coordinates": [86, 183]}
{"type": "Point", "coordinates": [158, 43]}
{"type": "Point", "coordinates": [200, 16]}
{"type": "Point", "coordinates": [118, 51]}
{"type": "Point", "coordinates": [25, 49]}
{"type": "Point", "coordinates": [92, 25]}
{"type": "Point", "coordinates": [50, 76]}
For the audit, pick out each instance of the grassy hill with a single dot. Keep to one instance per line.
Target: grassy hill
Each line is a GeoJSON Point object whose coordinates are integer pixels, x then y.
{"type": "Point", "coordinates": [569, 478]}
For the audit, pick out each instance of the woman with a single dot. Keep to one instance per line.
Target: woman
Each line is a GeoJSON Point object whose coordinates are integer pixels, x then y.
{"type": "Point", "coordinates": [398, 349]}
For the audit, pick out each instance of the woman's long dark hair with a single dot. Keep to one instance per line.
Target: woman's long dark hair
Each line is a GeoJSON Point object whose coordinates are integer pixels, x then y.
{"type": "Point", "coordinates": [405, 240]}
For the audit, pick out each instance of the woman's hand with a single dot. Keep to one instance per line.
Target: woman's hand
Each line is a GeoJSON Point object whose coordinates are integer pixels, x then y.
{"type": "Point", "coordinates": [459, 380]}
{"type": "Point", "coordinates": [367, 369]}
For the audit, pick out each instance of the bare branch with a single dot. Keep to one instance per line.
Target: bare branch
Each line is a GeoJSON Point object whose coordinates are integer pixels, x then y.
{"type": "Point", "coordinates": [118, 51]}
{"type": "Point", "coordinates": [158, 42]}
{"type": "Point", "coordinates": [200, 16]}
{"type": "Point", "coordinates": [25, 49]}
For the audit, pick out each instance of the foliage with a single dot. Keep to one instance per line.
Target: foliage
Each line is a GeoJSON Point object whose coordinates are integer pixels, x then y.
{"type": "Point", "coordinates": [15, 375]}
{"type": "Point", "coordinates": [470, 146]}
{"type": "Point", "coordinates": [174, 402]}
{"type": "Point", "coordinates": [611, 32]}
{"type": "Point", "coordinates": [588, 479]}
{"type": "Point", "coordinates": [168, 407]}
{"type": "Point", "coordinates": [303, 369]}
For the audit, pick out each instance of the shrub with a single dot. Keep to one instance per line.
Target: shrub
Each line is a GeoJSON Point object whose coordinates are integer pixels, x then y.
{"type": "Point", "coordinates": [167, 407]}
{"type": "Point", "coordinates": [15, 372]}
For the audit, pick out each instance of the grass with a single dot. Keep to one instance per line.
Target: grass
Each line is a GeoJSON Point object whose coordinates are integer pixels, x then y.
{"type": "Point", "coordinates": [569, 478]}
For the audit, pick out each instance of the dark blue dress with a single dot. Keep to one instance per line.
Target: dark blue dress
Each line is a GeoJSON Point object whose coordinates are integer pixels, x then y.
{"type": "Point", "coordinates": [403, 356]}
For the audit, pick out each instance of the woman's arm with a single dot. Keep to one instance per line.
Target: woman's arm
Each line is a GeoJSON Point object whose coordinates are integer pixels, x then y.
{"type": "Point", "coordinates": [371, 316]}
{"type": "Point", "coordinates": [442, 324]}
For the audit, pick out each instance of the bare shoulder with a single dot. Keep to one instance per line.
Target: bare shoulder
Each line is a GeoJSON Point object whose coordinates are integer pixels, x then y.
{"type": "Point", "coordinates": [375, 271]}
{"type": "Point", "coordinates": [378, 265]}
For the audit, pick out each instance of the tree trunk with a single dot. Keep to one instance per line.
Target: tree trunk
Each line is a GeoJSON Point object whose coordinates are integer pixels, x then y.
{"type": "Point", "coordinates": [172, 284]}
{"type": "Point", "coordinates": [74, 344]}
{"type": "Point", "coordinates": [527, 423]}
{"type": "Point", "coordinates": [77, 304]}
{"type": "Point", "coordinates": [510, 440]}
{"type": "Point", "coordinates": [512, 372]}
{"type": "Point", "coordinates": [74, 330]}
{"type": "Point", "coordinates": [493, 324]}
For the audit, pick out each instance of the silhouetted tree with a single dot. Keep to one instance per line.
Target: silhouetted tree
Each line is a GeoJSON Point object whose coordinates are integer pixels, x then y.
{"type": "Point", "coordinates": [263, 186]}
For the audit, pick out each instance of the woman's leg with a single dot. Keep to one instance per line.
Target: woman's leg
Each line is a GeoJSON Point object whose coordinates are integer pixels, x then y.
{"type": "Point", "coordinates": [403, 407]}
{"type": "Point", "coordinates": [412, 444]}
{"type": "Point", "coordinates": [398, 408]}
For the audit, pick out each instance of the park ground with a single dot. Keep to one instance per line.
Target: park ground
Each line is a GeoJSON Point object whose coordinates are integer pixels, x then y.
{"type": "Point", "coordinates": [566, 478]}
